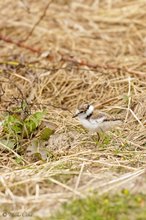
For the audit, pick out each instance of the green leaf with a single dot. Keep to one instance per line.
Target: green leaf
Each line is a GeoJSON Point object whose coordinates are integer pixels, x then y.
{"type": "Point", "coordinates": [19, 160]}
{"type": "Point", "coordinates": [8, 143]}
{"type": "Point", "coordinates": [12, 124]}
{"type": "Point", "coordinates": [46, 133]}
{"type": "Point", "coordinates": [37, 148]}
{"type": "Point", "coordinates": [33, 121]}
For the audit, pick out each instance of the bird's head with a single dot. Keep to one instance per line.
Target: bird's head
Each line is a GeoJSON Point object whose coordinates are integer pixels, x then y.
{"type": "Point", "coordinates": [84, 111]}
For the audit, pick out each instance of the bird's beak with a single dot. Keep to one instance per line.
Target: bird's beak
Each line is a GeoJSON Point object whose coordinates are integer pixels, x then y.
{"type": "Point", "coordinates": [74, 116]}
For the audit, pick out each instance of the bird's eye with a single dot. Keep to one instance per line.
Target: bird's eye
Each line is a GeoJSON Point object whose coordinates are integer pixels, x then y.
{"type": "Point", "coordinates": [81, 111]}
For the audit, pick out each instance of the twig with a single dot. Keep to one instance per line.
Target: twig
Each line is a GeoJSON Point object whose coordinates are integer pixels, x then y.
{"type": "Point", "coordinates": [135, 72]}
{"type": "Point", "coordinates": [129, 98]}
{"type": "Point", "coordinates": [9, 149]}
{"type": "Point", "coordinates": [19, 44]}
{"type": "Point", "coordinates": [65, 186]}
{"type": "Point", "coordinates": [79, 177]}
{"type": "Point", "coordinates": [107, 102]}
{"type": "Point", "coordinates": [37, 23]}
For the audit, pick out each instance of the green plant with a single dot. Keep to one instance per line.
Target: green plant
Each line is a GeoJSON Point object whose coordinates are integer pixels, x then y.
{"type": "Point", "coordinates": [16, 129]}
{"type": "Point", "coordinates": [121, 206]}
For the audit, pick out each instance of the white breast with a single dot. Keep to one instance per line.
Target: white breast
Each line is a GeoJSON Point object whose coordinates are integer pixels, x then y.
{"type": "Point", "coordinates": [91, 125]}
{"type": "Point", "coordinates": [99, 124]}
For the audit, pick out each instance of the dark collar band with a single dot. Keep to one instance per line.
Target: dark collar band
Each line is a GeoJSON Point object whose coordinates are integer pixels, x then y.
{"type": "Point", "coordinates": [89, 116]}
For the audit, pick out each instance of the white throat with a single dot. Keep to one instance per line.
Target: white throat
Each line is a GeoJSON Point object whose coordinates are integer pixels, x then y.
{"type": "Point", "coordinates": [83, 118]}
{"type": "Point", "coordinates": [90, 110]}
{"type": "Point", "coordinates": [86, 114]}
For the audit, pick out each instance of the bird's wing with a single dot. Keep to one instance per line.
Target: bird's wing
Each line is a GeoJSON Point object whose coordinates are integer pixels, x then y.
{"type": "Point", "coordinates": [99, 116]}
{"type": "Point", "coordinates": [103, 117]}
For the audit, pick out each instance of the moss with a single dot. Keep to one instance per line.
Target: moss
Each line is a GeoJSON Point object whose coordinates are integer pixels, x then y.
{"type": "Point", "coordinates": [122, 206]}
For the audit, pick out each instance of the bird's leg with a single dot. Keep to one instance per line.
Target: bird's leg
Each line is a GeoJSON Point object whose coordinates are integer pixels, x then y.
{"type": "Point", "coordinates": [98, 135]}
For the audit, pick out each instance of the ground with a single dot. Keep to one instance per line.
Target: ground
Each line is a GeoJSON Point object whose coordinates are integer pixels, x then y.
{"type": "Point", "coordinates": [55, 55]}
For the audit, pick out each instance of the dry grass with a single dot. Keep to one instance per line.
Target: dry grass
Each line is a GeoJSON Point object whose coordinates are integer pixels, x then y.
{"type": "Point", "coordinates": [95, 52]}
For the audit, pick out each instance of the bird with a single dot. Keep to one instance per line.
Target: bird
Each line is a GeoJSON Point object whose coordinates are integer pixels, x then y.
{"type": "Point", "coordinates": [93, 122]}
